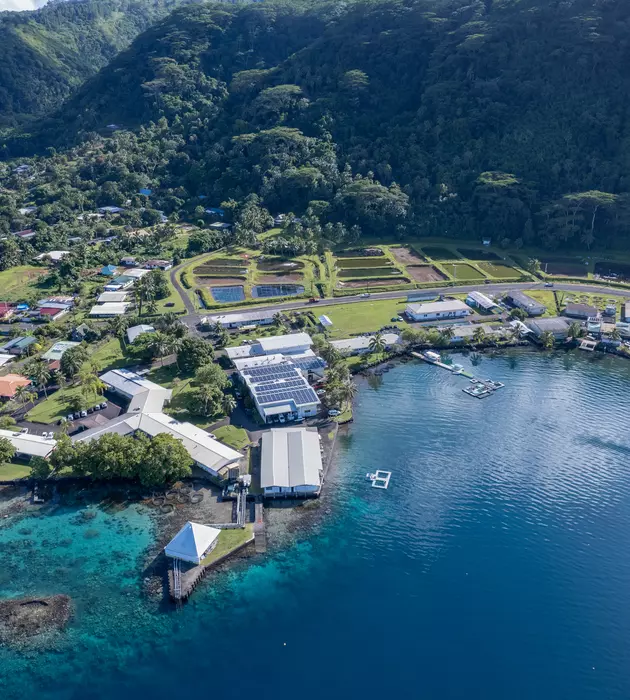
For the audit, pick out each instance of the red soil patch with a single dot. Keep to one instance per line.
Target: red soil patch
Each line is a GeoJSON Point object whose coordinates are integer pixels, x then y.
{"type": "Point", "coordinates": [425, 273]}
{"type": "Point", "coordinates": [407, 256]}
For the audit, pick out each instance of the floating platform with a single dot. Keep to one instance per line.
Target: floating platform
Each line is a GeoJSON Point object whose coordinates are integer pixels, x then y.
{"type": "Point", "coordinates": [380, 479]}
{"type": "Point", "coordinates": [481, 388]}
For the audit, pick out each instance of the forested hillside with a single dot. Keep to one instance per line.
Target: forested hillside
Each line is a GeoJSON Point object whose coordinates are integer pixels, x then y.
{"type": "Point", "coordinates": [48, 52]}
{"type": "Point", "coordinates": [506, 118]}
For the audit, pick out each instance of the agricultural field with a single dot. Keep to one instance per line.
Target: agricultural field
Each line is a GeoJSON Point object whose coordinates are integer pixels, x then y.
{"type": "Point", "coordinates": [407, 255]}
{"type": "Point", "coordinates": [349, 263]}
{"type": "Point", "coordinates": [18, 283]}
{"type": "Point", "coordinates": [425, 273]}
{"type": "Point", "coordinates": [368, 272]}
{"type": "Point", "coordinates": [439, 253]}
{"type": "Point", "coordinates": [462, 271]}
{"type": "Point", "coordinates": [499, 270]}
{"type": "Point", "coordinates": [477, 254]}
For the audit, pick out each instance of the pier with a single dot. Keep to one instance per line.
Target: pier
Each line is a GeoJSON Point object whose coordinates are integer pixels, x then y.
{"type": "Point", "coordinates": [479, 388]}
{"type": "Point", "coordinates": [380, 479]}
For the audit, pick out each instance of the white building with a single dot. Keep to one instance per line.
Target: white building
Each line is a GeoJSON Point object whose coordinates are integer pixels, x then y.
{"type": "Point", "coordinates": [57, 351]}
{"type": "Point", "coordinates": [279, 389]}
{"type": "Point", "coordinates": [291, 462]}
{"type": "Point", "coordinates": [112, 297]}
{"type": "Point", "coordinates": [361, 344]}
{"type": "Point", "coordinates": [481, 301]}
{"type": "Point", "coordinates": [249, 318]}
{"type": "Point", "coordinates": [290, 344]}
{"type": "Point", "coordinates": [136, 272]}
{"type": "Point", "coordinates": [27, 445]}
{"type": "Point", "coordinates": [525, 302]}
{"type": "Point", "coordinates": [109, 309]}
{"type": "Point", "coordinates": [53, 255]}
{"type": "Point", "coordinates": [143, 394]}
{"type": "Point", "coordinates": [192, 543]}
{"type": "Point", "coordinates": [135, 331]}
{"type": "Point", "coordinates": [438, 310]}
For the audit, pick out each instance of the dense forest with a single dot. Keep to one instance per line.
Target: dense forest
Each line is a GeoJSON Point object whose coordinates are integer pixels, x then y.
{"type": "Point", "coordinates": [502, 118]}
{"type": "Point", "coordinates": [49, 52]}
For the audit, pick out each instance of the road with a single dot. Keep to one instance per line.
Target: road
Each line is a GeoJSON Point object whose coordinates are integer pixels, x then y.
{"type": "Point", "coordinates": [193, 317]}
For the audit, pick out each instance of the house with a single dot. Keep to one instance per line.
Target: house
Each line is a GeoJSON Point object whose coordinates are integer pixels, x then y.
{"type": "Point", "coordinates": [53, 311]}
{"type": "Point", "coordinates": [57, 299]}
{"type": "Point", "coordinates": [141, 393]}
{"type": "Point", "coordinates": [57, 351]}
{"type": "Point", "coordinates": [249, 318]}
{"type": "Point", "coordinates": [215, 210]}
{"type": "Point", "coordinates": [610, 310]}
{"type": "Point", "coordinates": [158, 264]}
{"type": "Point", "coordinates": [108, 297]}
{"type": "Point", "coordinates": [27, 445]}
{"type": "Point", "coordinates": [325, 321]}
{"type": "Point", "coordinates": [81, 332]}
{"type": "Point", "coordinates": [291, 462]}
{"type": "Point", "coordinates": [22, 169]}
{"type": "Point", "coordinates": [53, 255]}
{"type": "Point", "coordinates": [5, 359]}
{"type": "Point", "coordinates": [122, 282]}
{"type": "Point", "coordinates": [10, 383]}
{"type": "Point", "coordinates": [438, 310]}
{"type": "Point", "coordinates": [220, 226]}
{"type": "Point", "coordinates": [625, 313]}
{"type": "Point", "coordinates": [486, 241]}
{"type": "Point", "coordinates": [290, 344]}
{"type": "Point", "coordinates": [136, 273]}
{"type": "Point", "coordinates": [110, 309]}
{"type": "Point", "coordinates": [525, 302]}
{"type": "Point", "coordinates": [360, 344]}
{"type": "Point", "coordinates": [193, 543]}
{"type": "Point", "coordinates": [558, 326]}
{"type": "Point", "coordinates": [135, 331]}
{"type": "Point", "coordinates": [6, 310]}
{"type": "Point", "coordinates": [19, 345]}
{"type": "Point", "coordinates": [110, 210]}
{"type": "Point", "coordinates": [279, 389]}
{"type": "Point", "coordinates": [128, 261]}
{"type": "Point", "coordinates": [108, 270]}
{"type": "Point", "coordinates": [481, 301]}
{"type": "Point", "coordinates": [581, 311]}
{"type": "Point", "coordinates": [24, 211]}
{"type": "Point", "coordinates": [26, 234]}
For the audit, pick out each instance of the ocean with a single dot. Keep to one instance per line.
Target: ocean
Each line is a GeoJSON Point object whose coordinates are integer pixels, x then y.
{"type": "Point", "coordinates": [495, 566]}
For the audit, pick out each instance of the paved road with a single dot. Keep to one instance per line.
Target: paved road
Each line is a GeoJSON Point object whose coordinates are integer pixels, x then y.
{"type": "Point", "coordinates": [193, 318]}
{"type": "Point", "coordinates": [190, 307]}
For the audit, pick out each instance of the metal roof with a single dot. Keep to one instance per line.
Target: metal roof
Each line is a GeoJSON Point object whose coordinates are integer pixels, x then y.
{"type": "Point", "coordinates": [192, 542]}
{"type": "Point", "coordinates": [290, 457]}
{"type": "Point", "coordinates": [482, 300]}
{"type": "Point", "coordinates": [58, 349]}
{"type": "Point", "coordinates": [280, 343]}
{"type": "Point", "coordinates": [110, 309]}
{"type": "Point", "coordinates": [281, 382]}
{"type": "Point", "coordinates": [362, 342]}
{"type": "Point", "coordinates": [112, 297]}
{"type": "Point", "coordinates": [247, 317]}
{"type": "Point", "coordinates": [135, 331]}
{"type": "Point", "coordinates": [438, 307]}
{"type": "Point", "coordinates": [26, 444]}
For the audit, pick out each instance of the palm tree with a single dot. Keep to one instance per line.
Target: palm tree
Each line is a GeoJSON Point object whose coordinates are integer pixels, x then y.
{"type": "Point", "coordinates": [159, 344]}
{"type": "Point", "coordinates": [118, 326]}
{"type": "Point", "coordinates": [41, 374]}
{"type": "Point", "coordinates": [347, 391]}
{"type": "Point", "coordinates": [278, 320]}
{"type": "Point", "coordinates": [174, 346]}
{"type": "Point", "coordinates": [152, 307]}
{"type": "Point", "coordinates": [547, 340]}
{"type": "Point", "coordinates": [228, 404]}
{"type": "Point", "coordinates": [575, 330]}
{"type": "Point", "coordinates": [615, 334]}
{"type": "Point", "coordinates": [479, 335]}
{"type": "Point", "coordinates": [377, 343]}
{"type": "Point", "coordinates": [448, 333]}
{"type": "Point", "coordinates": [21, 393]}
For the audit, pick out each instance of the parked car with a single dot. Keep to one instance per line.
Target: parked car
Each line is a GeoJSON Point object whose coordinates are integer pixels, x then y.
{"type": "Point", "coordinates": [46, 434]}
{"type": "Point", "coordinates": [213, 436]}
{"type": "Point", "coordinates": [396, 318]}
{"type": "Point", "coordinates": [83, 414]}
{"type": "Point", "coordinates": [365, 295]}
{"type": "Point", "coordinates": [313, 300]}
{"type": "Point", "coordinates": [282, 419]}
{"type": "Point", "coordinates": [69, 416]}
{"type": "Point", "coordinates": [334, 412]}
{"type": "Point", "coordinates": [169, 304]}
{"type": "Point", "coordinates": [548, 284]}
{"type": "Point", "coordinates": [104, 404]}
{"type": "Point", "coordinates": [77, 415]}
{"type": "Point", "coordinates": [90, 410]}
{"type": "Point", "coordinates": [320, 392]}
{"type": "Point", "coordinates": [24, 431]}
{"type": "Point", "coordinates": [97, 407]}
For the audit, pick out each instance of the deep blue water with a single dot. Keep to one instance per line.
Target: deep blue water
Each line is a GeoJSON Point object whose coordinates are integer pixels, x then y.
{"type": "Point", "coordinates": [276, 290]}
{"type": "Point", "coordinates": [496, 565]}
{"type": "Point", "coordinates": [230, 293]}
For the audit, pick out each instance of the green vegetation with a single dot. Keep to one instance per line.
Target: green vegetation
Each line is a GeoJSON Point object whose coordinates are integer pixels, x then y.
{"type": "Point", "coordinates": [498, 270]}
{"type": "Point", "coordinates": [18, 283]}
{"type": "Point", "coordinates": [61, 403]}
{"type": "Point", "coordinates": [351, 319]}
{"type": "Point", "coordinates": [10, 471]}
{"type": "Point", "coordinates": [462, 271]}
{"type": "Point", "coordinates": [110, 355]}
{"type": "Point", "coordinates": [236, 438]}
{"type": "Point", "coordinates": [228, 541]}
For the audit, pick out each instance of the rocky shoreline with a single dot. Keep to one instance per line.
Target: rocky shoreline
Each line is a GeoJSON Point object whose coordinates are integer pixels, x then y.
{"type": "Point", "coordinates": [23, 620]}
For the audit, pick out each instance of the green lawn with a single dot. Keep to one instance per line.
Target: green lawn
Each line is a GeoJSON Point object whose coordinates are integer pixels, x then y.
{"type": "Point", "coordinates": [232, 436]}
{"type": "Point", "coordinates": [111, 355]}
{"type": "Point", "coordinates": [228, 541]}
{"type": "Point", "coordinates": [173, 298]}
{"type": "Point", "coordinates": [57, 405]}
{"type": "Point", "coordinates": [498, 270]}
{"type": "Point", "coordinates": [351, 319]}
{"type": "Point", "coordinates": [10, 471]}
{"type": "Point", "coordinates": [17, 282]}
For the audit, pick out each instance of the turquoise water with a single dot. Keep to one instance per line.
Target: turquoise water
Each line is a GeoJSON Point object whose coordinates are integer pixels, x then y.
{"type": "Point", "coordinates": [495, 566]}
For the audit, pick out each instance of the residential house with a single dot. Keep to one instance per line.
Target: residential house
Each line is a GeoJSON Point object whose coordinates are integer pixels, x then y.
{"type": "Point", "coordinates": [526, 303]}
{"type": "Point", "coordinates": [481, 301]}
{"type": "Point", "coordinates": [220, 226]}
{"type": "Point", "coordinates": [27, 445]}
{"type": "Point", "coordinates": [239, 320]}
{"type": "Point", "coordinates": [158, 264]}
{"type": "Point", "coordinates": [112, 296]}
{"type": "Point", "coordinates": [136, 331]}
{"type": "Point", "coordinates": [81, 332]}
{"type": "Point", "coordinates": [128, 261]}
{"type": "Point", "coordinates": [26, 234]}
{"type": "Point", "coordinates": [109, 309]}
{"type": "Point", "coordinates": [19, 345]}
{"type": "Point", "coordinates": [109, 270]}
{"type": "Point", "coordinates": [438, 310]}
{"type": "Point", "coordinates": [359, 345]}
{"type": "Point", "coordinates": [53, 255]}
{"type": "Point", "coordinates": [56, 352]}
{"type": "Point", "coordinates": [558, 326]}
{"type": "Point", "coordinates": [53, 310]}
{"type": "Point", "coordinates": [580, 311]}
{"type": "Point", "coordinates": [110, 210]}
{"type": "Point", "coordinates": [10, 383]}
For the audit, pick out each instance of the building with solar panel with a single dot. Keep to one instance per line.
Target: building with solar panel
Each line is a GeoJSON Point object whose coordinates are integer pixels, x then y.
{"type": "Point", "coordinates": [279, 388]}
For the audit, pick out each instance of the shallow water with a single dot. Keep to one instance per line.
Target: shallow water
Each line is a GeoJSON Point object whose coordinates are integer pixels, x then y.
{"type": "Point", "coordinates": [495, 566]}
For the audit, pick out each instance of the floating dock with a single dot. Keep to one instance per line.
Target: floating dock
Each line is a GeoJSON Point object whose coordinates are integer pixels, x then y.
{"type": "Point", "coordinates": [479, 388]}
{"type": "Point", "coordinates": [380, 479]}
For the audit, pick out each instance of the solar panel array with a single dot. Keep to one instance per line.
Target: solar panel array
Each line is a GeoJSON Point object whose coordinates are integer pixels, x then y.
{"type": "Point", "coordinates": [281, 382]}
{"type": "Point", "coordinates": [307, 363]}
{"type": "Point", "coordinates": [300, 396]}
{"type": "Point", "coordinates": [273, 372]}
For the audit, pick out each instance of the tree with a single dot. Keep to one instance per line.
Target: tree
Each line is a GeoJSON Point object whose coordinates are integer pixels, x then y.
{"type": "Point", "coordinates": [575, 330]}
{"type": "Point", "coordinates": [7, 451]}
{"type": "Point", "coordinates": [518, 314]}
{"type": "Point", "coordinates": [479, 335]}
{"type": "Point", "coordinates": [165, 460]}
{"type": "Point", "coordinates": [211, 375]}
{"type": "Point", "coordinates": [377, 343]}
{"type": "Point", "coordinates": [547, 340]}
{"type": "Point", "coordinates": [7, 423]}
{"type": "Point", "coordinates": [615, 334]}
{"type": "Point", "coordinates": [23, 394]}
{"type": "Point", "coordinates": [447, 334]}
{"type": "Point", "coordinates": [194, 352]}
{"type": "Point", "coordinates": [41, 374]}
{"type": "Point", "coordinates": [159, 344]}
{"type": "Point", "coordinates": [73, 359]}
{"type": "Point", "coordinates": [228, 404]}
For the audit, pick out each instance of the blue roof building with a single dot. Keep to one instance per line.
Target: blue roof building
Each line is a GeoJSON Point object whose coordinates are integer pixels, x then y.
{"type": "Point", "coordinates": [109, 270]}
{"type": "Point", "coordinates": [146, 192]}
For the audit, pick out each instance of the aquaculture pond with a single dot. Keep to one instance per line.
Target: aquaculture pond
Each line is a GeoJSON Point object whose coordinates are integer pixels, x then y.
{"type": "Point", "coordinates": [279, 265]}
{"type": "Point", "coordinates": [477, 254]}
{"type": "Point", "coordinates": [439, 253]}
{"type": "Point", "coordinates": [276, 290]}
{"type": "Point", "coordinates": [362, 262]}
{"type": "Point", "coordinates": [368, 272]}
{"type": "Point", "coordinates": [225, 294]}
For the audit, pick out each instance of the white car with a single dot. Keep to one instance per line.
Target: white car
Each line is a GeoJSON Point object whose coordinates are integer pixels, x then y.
{"type": "Point", "coordinates": [24, 431]}
{"type": "Point", "coordinates": [334, 412]}
{"type": "Point", "coordinates": [365, 295]}
{"type": "Point", "coordinates": [213, 436]}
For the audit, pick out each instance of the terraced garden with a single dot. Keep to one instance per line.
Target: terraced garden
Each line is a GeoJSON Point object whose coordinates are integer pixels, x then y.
{"type": "Point", "coordinates": [477, 254]}
{"type": "Point", "coordinates": [462, 271]}
{"type": "Point", "coordinates": [425, 273]}
{"type": "Point", "coordinates": [440, 253]}
{"type": "Point", "coordinates": [499, 270]}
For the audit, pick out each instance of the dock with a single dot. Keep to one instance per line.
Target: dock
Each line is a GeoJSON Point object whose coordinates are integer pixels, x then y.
{"type": "Point", "coordinates": [260, 534]}
{"type": "Point", "coordinates": [479, 388]}
{"type": "Point", "coordinates": [380, 479]}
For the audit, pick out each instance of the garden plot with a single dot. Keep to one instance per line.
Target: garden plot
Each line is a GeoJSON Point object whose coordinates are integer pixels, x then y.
{"type": "Point", "coordinates": [440, 253]}
{"type": "Point", "coordinates": [462, 271]}
{"type": "Point", "coordinates": [425, 273]}
{"type": "Point", "coordinates": [477, 254]}
{"type": "Point", "coordinates": [407, 256]}
{"type": "Point", "coordinates": [499, 270]}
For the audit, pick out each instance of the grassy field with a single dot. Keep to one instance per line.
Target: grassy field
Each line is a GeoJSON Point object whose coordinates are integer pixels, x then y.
{"type": "Point", "coordinates": [10, 471]}
{"type": "Point", "coordinates": [228, 541]}
{"type": "Point", "coordinates": [498, 270]}
{"type": "Point", "coordinates": [232, 436]}
{"type": "Point", "coordinates": [172, 298]}
{"type": "Point", "coordinates": [350, 319]}
{"type": "Point", "coordinates": [462, 271]}
{"type": "Point", "coordinates": [111, 355]}
{"type": "Point", "coordinates": [57, 405]}
{"type": "Point", "coordinates": [18, 283]}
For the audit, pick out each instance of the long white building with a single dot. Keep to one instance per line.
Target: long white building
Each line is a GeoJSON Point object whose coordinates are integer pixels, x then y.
{"type": "Point", "coordinates": [438, 310]}
{"type": "Point", "coordinates": [291, 462]}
